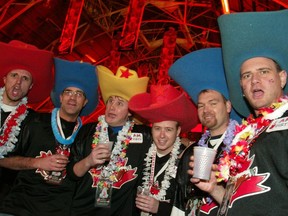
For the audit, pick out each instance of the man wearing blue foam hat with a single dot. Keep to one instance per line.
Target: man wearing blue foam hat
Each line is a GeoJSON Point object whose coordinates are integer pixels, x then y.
{"type": "Point", "coordinates": [44, 148]}
{"type": "Point", "coordinates": [201, 75]}
{"type": "Point", "coordinates": [255, 57]}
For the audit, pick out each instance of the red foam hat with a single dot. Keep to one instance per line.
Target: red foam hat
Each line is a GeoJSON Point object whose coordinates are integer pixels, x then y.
{"type": "Point", "coordinates": [165, 103]}
{"type": "Point", "coordinates": [19, 55]}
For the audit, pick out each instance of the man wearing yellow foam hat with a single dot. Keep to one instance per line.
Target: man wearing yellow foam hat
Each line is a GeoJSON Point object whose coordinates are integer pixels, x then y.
{"type": "Point", "coordinates": [101, 170]}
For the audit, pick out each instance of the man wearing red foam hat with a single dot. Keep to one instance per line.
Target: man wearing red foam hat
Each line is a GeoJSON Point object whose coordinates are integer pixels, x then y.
{"type": "Point", "coordinates": [30, 74]}
{"type": "Point", "coordinates": [169, 111]}
{"type": "Point", "coordinates": [107, 178]}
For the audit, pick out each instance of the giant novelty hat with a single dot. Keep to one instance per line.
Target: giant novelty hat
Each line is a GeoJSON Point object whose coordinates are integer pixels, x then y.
{"type": "Point", "coordinates": [200, 70]}
{"type": "Point", "coordinates": [125, 83]}
{"type": "Point", "coordinates": [19, 55]}
{"type": "Point", "coordinates": [76, 74]}
{"type": "Point", "coordinates": [165, 103]}
{"type": "Point", "coordinates": [247, 35]}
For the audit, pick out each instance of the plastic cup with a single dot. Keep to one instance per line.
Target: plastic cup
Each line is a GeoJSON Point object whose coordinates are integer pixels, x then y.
{"type": "Point", "coordinates": [203, 160]}
{"type": "Point", "coordinates": [109, 143]}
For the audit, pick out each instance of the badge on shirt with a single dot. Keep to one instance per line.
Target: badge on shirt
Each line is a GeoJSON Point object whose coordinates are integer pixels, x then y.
{"type": "Point", "coordinates": [278, 125]}
{"type": "Point", "coordinates": [137, 138]}
{"type": "Point", "coordinates": [103, 193]}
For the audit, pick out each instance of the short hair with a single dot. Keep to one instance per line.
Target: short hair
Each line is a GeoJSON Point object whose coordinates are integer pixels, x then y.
{"type": "Point", "coordinates": [207, 90]}
{"type": "Point", "coordinates": [278, 67]}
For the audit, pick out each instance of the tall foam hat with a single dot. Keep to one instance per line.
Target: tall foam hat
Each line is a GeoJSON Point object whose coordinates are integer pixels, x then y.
{"type": "Point", "coordinates": [19, 55]}
{"type": "Point", "coordinates": [165, 103]}
{"type": "Point", "coordinates": [200, 70]}
{"type": "Point", "coordinates": [76, 74]}
{"type": "Point", "coordinates": [247, 35]}
{"type": "Point", "coordinates": [125, 83]}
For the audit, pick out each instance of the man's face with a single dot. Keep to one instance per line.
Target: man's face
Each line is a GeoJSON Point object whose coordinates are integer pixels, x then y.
{"type": "Point", "coordinates": [213, 111]}
{"type": "Point", "coordinates": [261, 83]}
{"type": "Point", "coordinates": [17, 84]}
{"type": "Point", "coordinates": [164, 135]}
{"type": "Point", "coordinates": [72, 101]}
{"type": "Point", "coordinates": [116, 113]}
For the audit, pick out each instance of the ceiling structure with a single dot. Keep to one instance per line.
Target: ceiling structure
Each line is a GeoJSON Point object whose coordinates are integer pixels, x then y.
{"type": "Point", "coordinates": [144, 35]}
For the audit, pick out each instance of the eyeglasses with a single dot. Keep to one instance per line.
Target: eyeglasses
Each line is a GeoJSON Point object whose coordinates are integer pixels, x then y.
{"type": "Point", "coordinates": [78, 94]}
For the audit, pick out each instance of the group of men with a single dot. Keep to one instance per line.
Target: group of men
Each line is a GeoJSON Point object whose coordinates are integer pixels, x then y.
{"type": "Point", "coordinates": [37, 145]}
{"type": "Point", "coordinates": [88, 178]}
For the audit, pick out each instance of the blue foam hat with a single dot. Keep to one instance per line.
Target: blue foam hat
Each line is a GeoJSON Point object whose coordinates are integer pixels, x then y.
{"type": "Point", "coordinates": [76, 74]}
{"type": "Point", "coordinates": [200, 70]}
{"type": "Point", "coordinates": [251, 34]}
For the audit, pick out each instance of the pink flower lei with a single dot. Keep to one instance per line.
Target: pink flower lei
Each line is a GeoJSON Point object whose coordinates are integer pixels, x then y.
{"type": "Point", "coordinates": [234, 161]}
{"type": "Point", "coordinates": [11, 127]}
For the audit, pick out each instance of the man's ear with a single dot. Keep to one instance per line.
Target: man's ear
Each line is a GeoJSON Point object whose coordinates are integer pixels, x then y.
{"type": "Point", "coordinates": [85, 102]}
{"type": "Point", "coordinates": [30, 87]}
{"type": "Point", "coordinates": [178, 130]}
{"type": "Point", "coordinates": [283, 78]}
{"type": "Point", "coordinates": [228, 106]}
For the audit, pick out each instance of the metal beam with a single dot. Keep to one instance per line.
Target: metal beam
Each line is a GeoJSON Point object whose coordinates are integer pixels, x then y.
{"type": "Point", "coordinates": [31, 4]}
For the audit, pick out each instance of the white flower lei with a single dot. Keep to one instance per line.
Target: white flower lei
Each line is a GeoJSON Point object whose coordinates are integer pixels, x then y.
{"type": "Point", "coordinates": [117, 154]}
{"type": "Point", "coordinates": [9, 145]}
{"type": "Point", "coordinates": [165, 184]}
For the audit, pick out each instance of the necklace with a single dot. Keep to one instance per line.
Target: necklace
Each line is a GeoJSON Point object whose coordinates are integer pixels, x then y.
{"type": "Point", "coordinates": [11, 127]}
{"type": "Point", "coordinates": [234, 161]}
{"type": "Point", "coordinates": [169, 172]}
{"type": "Point", "coordinates": [57, 128]}
{"type": "Point", "coordinates": [228, 137]}
{"type": "Point", "coordinates": [118, 158]}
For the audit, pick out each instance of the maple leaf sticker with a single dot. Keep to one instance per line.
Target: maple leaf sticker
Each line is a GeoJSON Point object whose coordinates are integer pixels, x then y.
{"type": "Point", "coordinates": [43, 173]}
{"type": "Point", "coordinates": [124, 175]}
{"type": "Point", "coordinates": [129, 175]}
{"type": "Point", "coordinates": [252, 186]}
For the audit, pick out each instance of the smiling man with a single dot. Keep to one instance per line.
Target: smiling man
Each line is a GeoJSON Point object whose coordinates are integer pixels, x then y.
{"type": "Point", "coordinates": [170, 112]}
{"type": "Point", "coordinates": [201, 74]}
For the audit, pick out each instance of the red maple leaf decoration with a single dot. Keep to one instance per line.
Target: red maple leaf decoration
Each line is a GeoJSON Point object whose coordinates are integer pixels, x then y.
{"type": "Point", "coordinates": [251, 186]}
{"type": "Point", "coordinates": [125, 73]}
{"type": "Point", "coordinates": [128, 176]}
{"type": "Point", "coordinates": [208, 207]}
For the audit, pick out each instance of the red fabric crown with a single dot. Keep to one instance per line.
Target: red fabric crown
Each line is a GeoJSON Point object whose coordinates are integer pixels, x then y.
{"type": "Point", "coordinates": [165, 103]}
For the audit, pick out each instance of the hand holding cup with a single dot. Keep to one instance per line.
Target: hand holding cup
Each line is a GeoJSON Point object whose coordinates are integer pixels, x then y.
{"type": "Point", "coordinates": [203, 160]}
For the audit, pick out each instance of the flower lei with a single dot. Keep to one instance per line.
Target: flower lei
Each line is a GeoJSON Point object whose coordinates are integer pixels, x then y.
{"type": "Point", "coordinates": [11, 127]}
{"type": "Point", "coordinates": [229, 135]}
{"type": "Point", "coordinates": [118, 155]}
{"type": "Point", "coordinates": [165, 184]}
{"type": "Point", "coordinates": [234, 161]}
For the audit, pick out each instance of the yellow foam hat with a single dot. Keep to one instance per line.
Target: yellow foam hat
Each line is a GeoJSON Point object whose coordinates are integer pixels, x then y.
{"type": "Point", "coordinates": [125, 83]}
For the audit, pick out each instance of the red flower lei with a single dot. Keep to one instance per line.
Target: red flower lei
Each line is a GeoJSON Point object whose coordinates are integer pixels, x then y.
{"type": "Point", "coordinates": [234, 161]}
{"type": "Point", "coordinates": [11, 127]}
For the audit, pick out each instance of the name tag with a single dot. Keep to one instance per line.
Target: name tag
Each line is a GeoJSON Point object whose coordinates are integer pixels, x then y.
{"type": "Point", "coordinates": [278, 125]}
{"type": "Point", "coordinates": [137, 138]}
